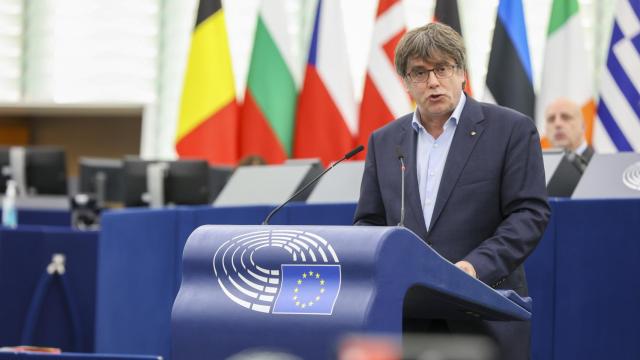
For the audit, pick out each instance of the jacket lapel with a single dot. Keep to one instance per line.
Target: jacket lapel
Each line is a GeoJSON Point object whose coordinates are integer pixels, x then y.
{"type": "Point", "coordinates": [469, 129]}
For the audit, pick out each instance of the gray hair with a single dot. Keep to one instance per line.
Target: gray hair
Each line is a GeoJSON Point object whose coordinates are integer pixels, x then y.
{"type": "Point", "coordinates": [430, 42]}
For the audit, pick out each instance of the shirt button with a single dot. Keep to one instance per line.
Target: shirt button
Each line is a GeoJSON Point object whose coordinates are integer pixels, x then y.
{"type": "Point", "coordinates": [432, 173]}
{"type": "Point", "coordinates": [435, 145]}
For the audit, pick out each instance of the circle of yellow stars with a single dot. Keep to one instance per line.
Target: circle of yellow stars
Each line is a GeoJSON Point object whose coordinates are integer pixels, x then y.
{"type": "Point", "coordinates": [310, 275]}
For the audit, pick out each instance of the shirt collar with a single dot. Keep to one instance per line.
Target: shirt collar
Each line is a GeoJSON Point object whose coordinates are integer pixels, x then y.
{"type": "Point", "coordinates": [453, 119]}
{"type": "Point", "coordinates": [582, 148]}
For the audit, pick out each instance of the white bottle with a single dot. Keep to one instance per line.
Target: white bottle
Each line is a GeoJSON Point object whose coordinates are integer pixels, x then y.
{"type": "Point", "coordinates": [9, 212]}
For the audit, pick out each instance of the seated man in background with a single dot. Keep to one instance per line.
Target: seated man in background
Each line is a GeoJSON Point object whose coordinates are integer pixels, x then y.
{"type": "Point", "coordinates": [564, 126]}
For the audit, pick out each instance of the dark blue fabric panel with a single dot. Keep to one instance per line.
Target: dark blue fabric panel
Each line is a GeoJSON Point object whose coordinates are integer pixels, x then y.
{"type": "Point", "coordinates": [136, 281]}
{"type": "Point", "coordinates": [81, 251]}
{"type": "Point", "coordinates": [24, 255]}
{"type": "Point", "coordinates": [540, 270]}
{"type": "Point", "coordinates": [22, 260]}
{"type": "Point", "coordinates": [597, 292]}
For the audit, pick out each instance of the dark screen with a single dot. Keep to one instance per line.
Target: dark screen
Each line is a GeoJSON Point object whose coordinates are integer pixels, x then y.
{"type": "Point", "coordinates": [186, 182]}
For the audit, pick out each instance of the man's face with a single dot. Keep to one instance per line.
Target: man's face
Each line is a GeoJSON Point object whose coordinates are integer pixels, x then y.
{"type": "Point", "coordinates": [437, 95]}
{"type": "Point", "coordinates": [564, 127]}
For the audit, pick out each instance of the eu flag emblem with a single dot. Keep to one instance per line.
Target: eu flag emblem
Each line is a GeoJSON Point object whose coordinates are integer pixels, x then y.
{"type": "Point", "coordinates": [308, 289]}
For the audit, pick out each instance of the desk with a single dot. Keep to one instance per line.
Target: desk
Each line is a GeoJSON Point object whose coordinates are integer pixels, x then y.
{"type": "Point", "coordinates": [581, 276]}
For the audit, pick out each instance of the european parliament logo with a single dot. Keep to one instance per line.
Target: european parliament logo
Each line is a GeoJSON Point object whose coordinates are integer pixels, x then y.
{"type": "Point", "coordinates": [631, 176]}
{"type": "Point", "coordinates": [306, 281]}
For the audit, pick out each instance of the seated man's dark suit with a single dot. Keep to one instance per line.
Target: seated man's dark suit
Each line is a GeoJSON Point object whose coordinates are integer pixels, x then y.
{"type": "Point", "coordinates": [491, 209]}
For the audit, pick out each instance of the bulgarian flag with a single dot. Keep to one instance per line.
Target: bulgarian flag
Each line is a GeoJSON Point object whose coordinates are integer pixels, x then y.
{"type": "Point", "coordinates": [208, 118]}
{"type": "Point", "coordinates": [268, 112]}
{"type": "Point", "coordinates": [326, 120]}
{"type": "Point", "coordinates": [384, 98]}
{"type": "Point", "coordinates": [566, 70]}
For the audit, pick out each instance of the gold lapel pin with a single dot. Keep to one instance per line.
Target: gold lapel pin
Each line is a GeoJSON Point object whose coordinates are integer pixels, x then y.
{"type": "Point", "coordinates": [473, 133]}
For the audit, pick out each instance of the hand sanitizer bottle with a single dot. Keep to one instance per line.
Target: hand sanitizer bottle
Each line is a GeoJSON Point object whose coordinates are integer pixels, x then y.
{"type": "Point", "coordinates": [9, 212]}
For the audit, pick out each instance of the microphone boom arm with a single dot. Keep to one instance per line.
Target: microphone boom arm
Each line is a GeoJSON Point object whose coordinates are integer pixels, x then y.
{"type": "Point", "coordinates": [348, 155]}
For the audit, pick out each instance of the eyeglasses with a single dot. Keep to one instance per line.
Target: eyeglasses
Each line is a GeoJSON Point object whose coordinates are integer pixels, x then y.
{"type": "Point", "coordinates": [441, 71]}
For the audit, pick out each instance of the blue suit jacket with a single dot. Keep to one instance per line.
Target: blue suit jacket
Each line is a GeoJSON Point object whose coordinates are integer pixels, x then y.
{"type": "Point", "coordinates": [491, 208]}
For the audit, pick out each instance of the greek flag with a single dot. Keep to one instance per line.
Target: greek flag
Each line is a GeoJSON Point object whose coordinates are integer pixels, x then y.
{"type": "Point", "coordinates": [308, 289]}
{"type": "Point", "coordinates": [618, 125]}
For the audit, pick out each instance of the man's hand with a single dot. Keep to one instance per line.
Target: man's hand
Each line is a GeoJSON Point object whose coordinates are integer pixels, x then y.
{"type": "Point", "coordinates": [467, 267]}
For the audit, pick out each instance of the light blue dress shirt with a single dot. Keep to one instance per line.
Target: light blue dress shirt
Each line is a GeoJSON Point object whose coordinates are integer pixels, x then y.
{"type": "Point", "coordinates": [431, 155]}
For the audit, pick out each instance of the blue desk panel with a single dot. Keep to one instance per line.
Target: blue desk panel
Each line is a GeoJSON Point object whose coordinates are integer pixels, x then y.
{"type": "Point", "coordinates": [137, 263]}
{"type": "Point", "coordinates": [72, 356]}
{"type": "Point", "coordinates": [45, 217]}
{"type": "Point", "coordinates": [597, 292]}
{"type": "Point", "coordinates": [540, 268]}
{"type": "Point", "coordinates": [25, 253]}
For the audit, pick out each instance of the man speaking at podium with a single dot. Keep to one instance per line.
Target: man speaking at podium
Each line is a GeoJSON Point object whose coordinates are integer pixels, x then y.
{"type": "Point", "coordinates": [475, 185]}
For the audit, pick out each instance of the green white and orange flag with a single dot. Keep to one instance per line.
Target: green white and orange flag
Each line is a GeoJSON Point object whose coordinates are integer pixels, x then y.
{"type": "Point", "coordinates": [268, 113]}
{"type": "Point", "coordinates": [208, 118]}
{"type": "Point", "coordinates": [567, 70]}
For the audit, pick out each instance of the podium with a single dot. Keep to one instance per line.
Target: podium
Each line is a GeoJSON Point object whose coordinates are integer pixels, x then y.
{"type": "Point", "coordinates": [300, 289]}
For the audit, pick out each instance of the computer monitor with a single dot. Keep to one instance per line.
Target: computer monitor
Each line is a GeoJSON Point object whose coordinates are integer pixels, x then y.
{"type": "Point", "coordinates": [134, 180]}
{"type": "Point", "coordinates": [102, 178]}
{"type": "Point", "coordinates": [5, 169]}
{"type": "Point", "coordinates": [46, 171]}
{"type": "Point", "coordinates": [40, 170]}
{"type": "Point", "coordinates": [185, 182]}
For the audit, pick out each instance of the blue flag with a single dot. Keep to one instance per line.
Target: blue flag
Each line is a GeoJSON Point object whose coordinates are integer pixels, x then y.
{"type": "Point", "coordinates": [308, 289]}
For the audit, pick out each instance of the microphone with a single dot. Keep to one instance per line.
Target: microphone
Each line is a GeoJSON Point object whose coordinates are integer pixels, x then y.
{"type": "Point", "coordinates": [348, 155]}
{"type": "Point", "coordinates": [402, 169]}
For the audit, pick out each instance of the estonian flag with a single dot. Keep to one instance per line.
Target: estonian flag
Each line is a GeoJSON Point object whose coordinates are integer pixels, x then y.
{"type": "Point", "coordinates": [509, 78]}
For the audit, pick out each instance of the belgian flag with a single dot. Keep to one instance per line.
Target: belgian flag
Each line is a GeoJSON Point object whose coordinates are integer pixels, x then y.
{"type": "Point", "coordinates": [208, 118]}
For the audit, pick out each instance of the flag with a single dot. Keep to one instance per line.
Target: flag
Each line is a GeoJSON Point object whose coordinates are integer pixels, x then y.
{"type": "Point", "coordinates": [208, 116]}
{"type": "Point", "coordinates": [509, 80]}
{"type": "Point", "coordinates": [384, 97]}
{"type": "Point", "coordinates": [326, 120]}
{"type": "Point", "coordinates": [308, 289]}
{"type": "Point", "coordinates": [567, 69]}
{"type": "Point", "coordinates": [617, 127]}
{"type": "Point", "coordinates": [267, 116]}
{"type": "Point", "coordinates": [446, 12]}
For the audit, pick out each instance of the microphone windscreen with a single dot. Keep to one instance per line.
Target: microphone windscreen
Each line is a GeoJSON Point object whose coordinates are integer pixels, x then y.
{"type": "Point", "coordinates": [351, 153]}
